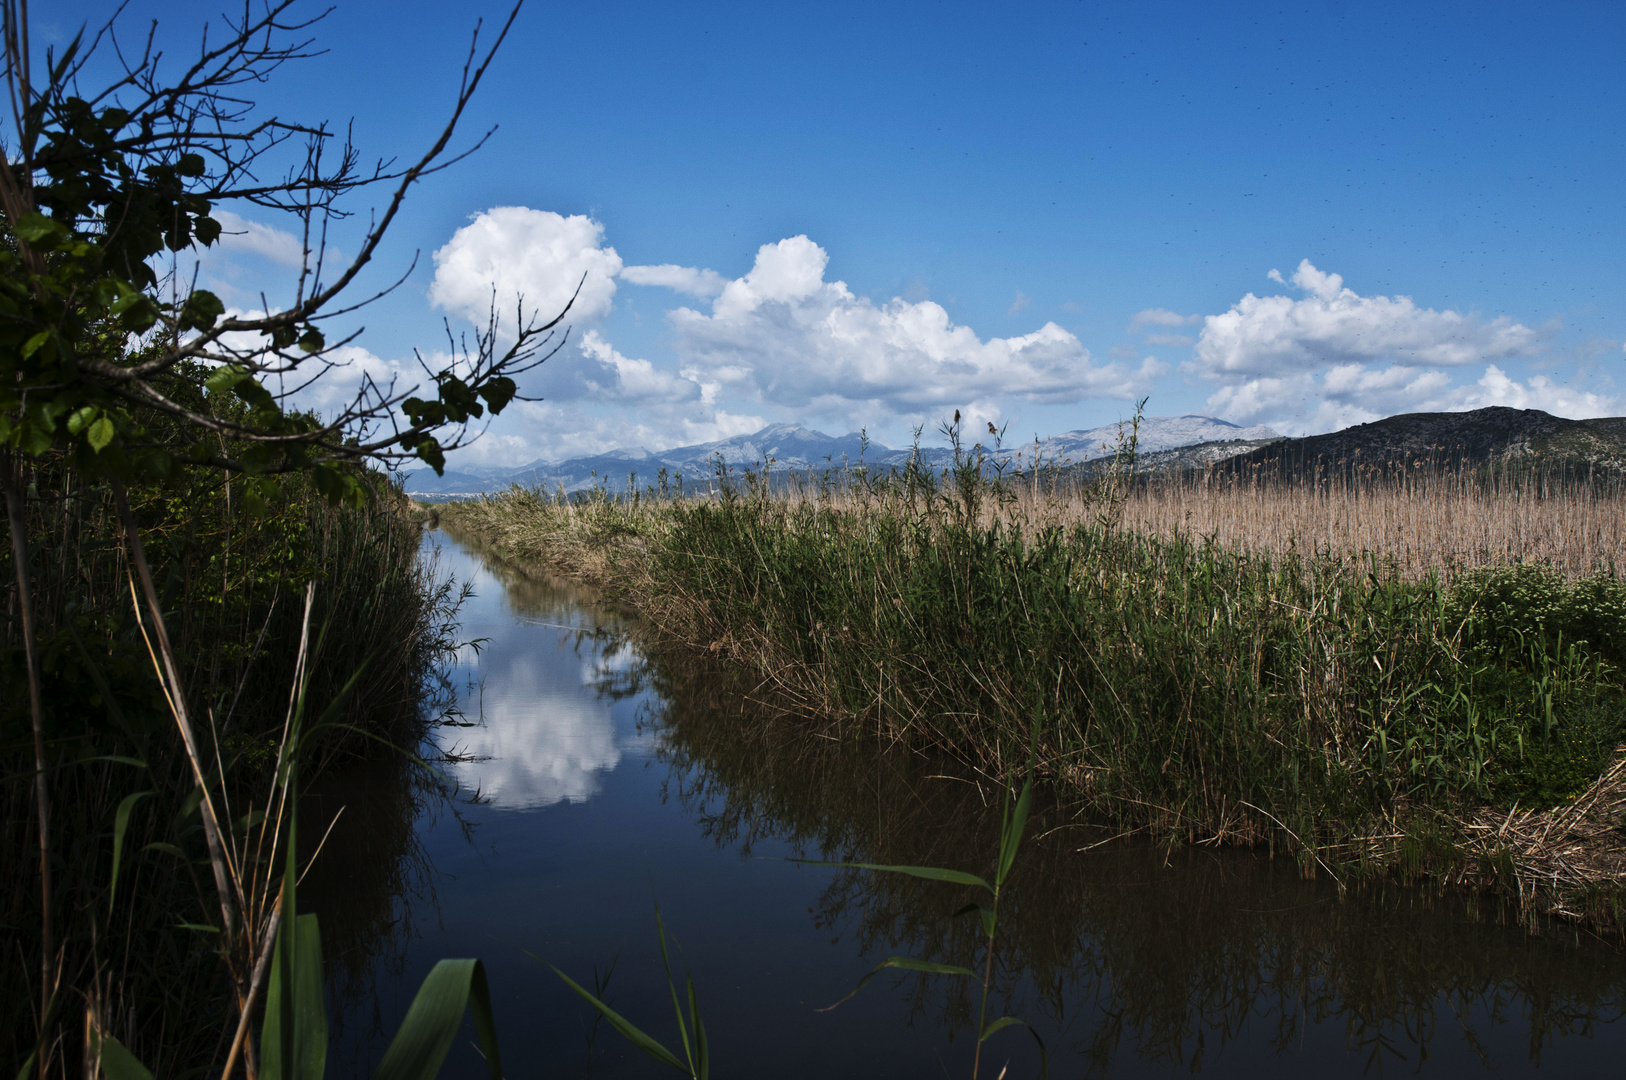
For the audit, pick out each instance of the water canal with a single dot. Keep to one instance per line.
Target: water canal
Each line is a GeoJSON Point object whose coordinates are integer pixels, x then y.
{"type": "Point", "coordinates": [607, 781]}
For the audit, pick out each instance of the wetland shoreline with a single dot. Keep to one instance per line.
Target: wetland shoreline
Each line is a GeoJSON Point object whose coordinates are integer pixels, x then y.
{"type": "Point", "coordinates": [1459, 725]}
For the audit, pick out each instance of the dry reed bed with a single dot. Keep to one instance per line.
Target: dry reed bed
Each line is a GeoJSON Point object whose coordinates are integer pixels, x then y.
{"type": "Point", "coordinates": [1432, 522]}
{"type": "Point", "coordinates": [1566, 859]}
{"type": "Point", "coordinates": [1426, 520]}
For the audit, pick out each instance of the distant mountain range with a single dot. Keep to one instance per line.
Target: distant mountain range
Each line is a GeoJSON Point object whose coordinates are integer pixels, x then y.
{"type": "Point", "coordinates": [791, 447]}
{"type": "Point", "coordinates": [1165, 443]}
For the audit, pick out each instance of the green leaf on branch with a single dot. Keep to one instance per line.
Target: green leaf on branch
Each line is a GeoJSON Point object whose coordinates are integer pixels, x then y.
{"type": "Point", "coordinates": [100, 434]}
{"type": "Point", "coordinates": [135, 310]}
{"type": "Point", "coordinates": [423, 413]}
{"type": "Point", "coordinates": [339, 485]}
{"type": "Point", "coordinates": [430, 453]}
{"type": "Point", "coordinates": [311, 341]}
{"type": "Point", "coordinates": [206, 229]}
{"type": "Point", "coordinates": [40, 231]}
{"type": "Point", "coordinates": [203, 309]}
{"type": "Point", "coordinates": [458, 399]}
{"type": "Point", "coordinates": [80, 419]}
{"type": "Point", "coordinates": [498, 393]}
{"type": "Point", "coordinates": [37, 342]}
{"type": "Point", "coordinates": [225, 378]}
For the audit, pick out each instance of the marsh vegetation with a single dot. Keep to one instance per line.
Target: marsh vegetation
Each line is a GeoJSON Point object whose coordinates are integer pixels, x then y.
{"type": "Point", "coordinates": [1125, 954]}
{"type": "Point", "coordinates": [1363, 671]}
{"type": "Point", "coordinates": [133, 901]}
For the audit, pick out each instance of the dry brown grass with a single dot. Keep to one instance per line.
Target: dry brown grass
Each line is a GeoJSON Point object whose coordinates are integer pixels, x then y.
{"type": "Point", "coordinates": [1429, 522]}
{"type": "Point", "coordinates": [1427, 519]}
{"type": "Point", "coordinates": [1560, 858]}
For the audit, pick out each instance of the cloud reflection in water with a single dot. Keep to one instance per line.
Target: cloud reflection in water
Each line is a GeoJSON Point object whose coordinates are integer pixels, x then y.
{"type": "Point", "coordinates": [544, 733]}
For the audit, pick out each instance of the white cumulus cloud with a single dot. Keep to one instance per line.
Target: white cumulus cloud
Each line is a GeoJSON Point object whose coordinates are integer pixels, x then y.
{"type": "Point", "coordinates": [787, 337]}
{"type": "Point", "coordinates": [513, 253]}
{"type": "Point", "coordinates": [554, 431]}
{"type": "Point", "coordinates": [616, 378]}
{"type": "Point", "coordinates": [1495, 387]}
{"type": "Point", "coordinates": [1272, 335]}
{"type": "Point", "coordinates": [1332, 357]}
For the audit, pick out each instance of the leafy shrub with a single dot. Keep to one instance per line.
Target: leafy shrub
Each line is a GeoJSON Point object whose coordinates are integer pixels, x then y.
{"type": "Point", "coordinates": [1504, 609]}
{"type": "Point", "coordinates": [1552, 771]}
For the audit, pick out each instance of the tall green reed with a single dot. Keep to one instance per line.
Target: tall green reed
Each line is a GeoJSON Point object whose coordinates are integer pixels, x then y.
{"type": "Point", "coordinates": [1184, 685]}
{"type": "Point", "coordinates": [126, 821]}
{"type": "Point", "coordinates": [289, 966]}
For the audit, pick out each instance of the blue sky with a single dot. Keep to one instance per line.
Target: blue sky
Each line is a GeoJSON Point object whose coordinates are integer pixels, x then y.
{"type": "Point", "coordinates": [1039, 212]}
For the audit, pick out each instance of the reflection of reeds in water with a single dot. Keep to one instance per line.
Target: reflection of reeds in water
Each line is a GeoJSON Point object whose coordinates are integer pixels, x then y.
{"type": "Point", "coordinates": [1132, 951]}
{"type": "Point", "coordinates": [371, 869]}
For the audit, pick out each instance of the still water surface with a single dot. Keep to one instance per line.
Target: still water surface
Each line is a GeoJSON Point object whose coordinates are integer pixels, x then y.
{"type": "Point", "coordinates": [608, 781]}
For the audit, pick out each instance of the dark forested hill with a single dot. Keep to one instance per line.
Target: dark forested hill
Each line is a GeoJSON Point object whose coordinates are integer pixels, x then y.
{"type": "Point", "coordinates": [1492, 435]}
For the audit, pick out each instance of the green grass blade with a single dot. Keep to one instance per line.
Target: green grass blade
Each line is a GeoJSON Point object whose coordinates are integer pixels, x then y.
{"type": "Point", "coordinates": [930, 873]}
{"type": "Point", "coordinates": [1010, 1021]}
{"type": "Point", "coordinates": [627, 1029]}
{"type": "Point", "coordinates": [305, 1045]}
{"type": "Point", "coordinates": [116, 1061]}
{"type": "Point", "coordinates": [121, 824]}
{"type": "Point", "coordinates": [1012, 838]}
{"type": "Point", "coordinates": [46, 1032]}
{"type": "Point", "coordinates": [906, 963]}
{"type": "Point", "coordinates": [671, 984]}
{"type": "Point", "coordinates": [119, 759]}
{"type": "Point", "coordinates": [1000, 1025]}
{"type": "Point", "coordinates": [988, 917]}
{"type": "Point", "coordinates": [702, 1051]}
{"type": "Point", "coordinates": [485, 1021]}
{"type": "Point", "coordinates": [421, 1045]}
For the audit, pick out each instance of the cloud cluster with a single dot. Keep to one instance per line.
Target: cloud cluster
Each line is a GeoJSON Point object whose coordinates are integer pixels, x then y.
{"type": "Point", "coordinates": [787, 341]}
{"type": "Point", "coordinates": [1263, 336]}
{"type": "Point", "coordinates": [1161, 317]}
{"type": "Point", "coordinates": [701, 284]}
{"type": "Point", "coordinates": [1332, 357]}
{"type": "Point", "coordinates": [537, 744]}
{"type": "Point", "coordinates": [784, 336]}
{"type": "Point", "coordinates": [780, 338]}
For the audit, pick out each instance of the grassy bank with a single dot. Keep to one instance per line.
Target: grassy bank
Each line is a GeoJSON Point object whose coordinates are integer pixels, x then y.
{"type": "Point", "coordinates": [1357, 706]}
{"type": "Point", "coordinates": [135, 948]}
